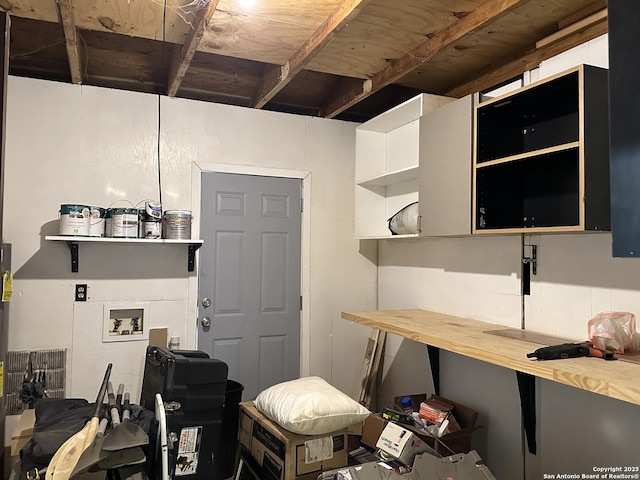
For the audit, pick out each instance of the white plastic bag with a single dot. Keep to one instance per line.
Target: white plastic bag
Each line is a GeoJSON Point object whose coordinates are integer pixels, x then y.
{"type": "Point", "coordinates": [615, 331]}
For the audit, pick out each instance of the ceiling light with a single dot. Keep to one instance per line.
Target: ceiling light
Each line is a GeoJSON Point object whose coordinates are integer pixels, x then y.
{"type": "Point", "coordinates": [246, 3]}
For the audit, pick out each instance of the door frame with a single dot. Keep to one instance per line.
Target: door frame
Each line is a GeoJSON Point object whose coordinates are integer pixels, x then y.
{"type": "Point", "coordinates": [197, 169]}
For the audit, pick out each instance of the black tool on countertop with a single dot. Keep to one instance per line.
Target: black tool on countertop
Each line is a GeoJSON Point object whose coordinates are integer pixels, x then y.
{"type": "Point", "coordinates": [570, 350]}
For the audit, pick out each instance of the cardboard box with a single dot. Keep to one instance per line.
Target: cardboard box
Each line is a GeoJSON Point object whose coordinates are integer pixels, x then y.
{"type": "Point", "coordinates": [456, 442]}
{"type": "Point", "coordinates": [284, 455]}
{"type": "Point", "coordinates": [158, 337]}
{"type": "Point", "coordinates": [23, 431]}
{"type": "Point", "coordinates": [373, 426]}
{"type": "Point", "coordinates": [401, 443]}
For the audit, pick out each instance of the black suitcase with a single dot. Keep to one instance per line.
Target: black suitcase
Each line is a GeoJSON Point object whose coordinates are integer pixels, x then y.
{"type": "Point", "coordinates": [188, 377]}
{"type": "Point", "coordinates": [192, 386]}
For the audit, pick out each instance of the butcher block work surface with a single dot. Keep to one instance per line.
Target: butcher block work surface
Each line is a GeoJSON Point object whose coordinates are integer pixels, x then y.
{"type": "Point", "coordinates": [476, 339]}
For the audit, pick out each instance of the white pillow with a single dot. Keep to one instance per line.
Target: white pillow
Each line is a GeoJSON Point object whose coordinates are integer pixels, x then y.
{"type": "Point", "coordinates": [309, 406]}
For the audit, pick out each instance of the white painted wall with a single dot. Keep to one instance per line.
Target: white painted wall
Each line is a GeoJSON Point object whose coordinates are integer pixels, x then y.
{"type": "Point", "coordinates": [79, 144]}
{"type": "Point", "coordinates": [480, 278]}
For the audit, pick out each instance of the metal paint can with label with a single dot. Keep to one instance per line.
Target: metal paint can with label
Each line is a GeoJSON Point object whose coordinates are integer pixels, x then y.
{"type": "Point", "coordinates": [108, 221]}
{"type": "Point", "coordinates": [124, 223]}
{"type": "Point", "coordinates": [97, 221]}
{"type": "Point", "coordinates": [176, 224]}
{"type": "Point", "coordinates": [152, 229]}
{"type": "Point", "coordinates": [74, 220]}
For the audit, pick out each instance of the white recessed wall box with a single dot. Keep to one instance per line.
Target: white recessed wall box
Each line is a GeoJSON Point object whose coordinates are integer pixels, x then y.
{"type": "Point", "coordinates": [125, 322]}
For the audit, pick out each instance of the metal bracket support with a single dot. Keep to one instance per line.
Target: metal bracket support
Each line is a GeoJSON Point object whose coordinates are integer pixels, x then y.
{"type": "Point", "coordinates": [529, 266]}
{"type": "Point", "coordinates": [192, 256]}
{"type": "Point", "coordinates": [73, 248]}
{"type": "Point", "coordinates": [434, 362]}
{"type": "Point", "coordinates": [527, 389]}
{"type": "Point", "coordinates": [533, 259]}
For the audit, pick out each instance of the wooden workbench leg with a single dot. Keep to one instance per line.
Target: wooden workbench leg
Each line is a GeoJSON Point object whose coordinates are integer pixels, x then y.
{"type": "Point", "coordinates": [434, 361]}
{"type": "Point", "coordinates": [527, 389]}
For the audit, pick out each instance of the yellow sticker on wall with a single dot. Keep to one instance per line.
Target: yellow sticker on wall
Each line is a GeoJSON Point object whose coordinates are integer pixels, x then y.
{"type": "Point", "coordinates": [7, 286]}
{"type": "Point", "coordinates": [1, 379]}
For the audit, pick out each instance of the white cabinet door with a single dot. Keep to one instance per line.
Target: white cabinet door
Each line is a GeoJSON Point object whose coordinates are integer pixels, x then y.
{"type": "Point", "coordinates": [446, 169]}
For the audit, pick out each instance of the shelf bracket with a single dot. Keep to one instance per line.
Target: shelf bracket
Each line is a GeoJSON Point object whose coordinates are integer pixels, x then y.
{"type": "Point", "coordinates": [533, 259]}
{"type": "Point", "coordinates": [527, 389]}
{"type": "Point", "coordinates": [191, 262]}
{"type": "Point", "coordinates": [73, 248]}
{"type": "Point", "coordinates": [529, 266]}
{"type": "Point", "coordinates": [434, 361]}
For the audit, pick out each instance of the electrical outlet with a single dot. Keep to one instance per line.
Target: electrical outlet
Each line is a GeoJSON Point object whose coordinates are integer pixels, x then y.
{"type": "Point", "coordinates": [81, 292]}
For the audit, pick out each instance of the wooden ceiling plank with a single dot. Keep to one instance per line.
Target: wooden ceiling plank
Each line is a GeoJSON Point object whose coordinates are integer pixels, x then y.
{"type": "Point", "coordinates": [180, 63]}
{"type": "Point", "coordinates": [65, 10]}
{"type": "Point", "coordinates": [481, 16]}
{"type": "Point", "coordinates": [580, 14]}
{"type": "Point", "coordinates": [597, 17]}
{"type": "Point", "coordinates": [500, 73]}
{"type": "Point", "coordinates": [274, 81]}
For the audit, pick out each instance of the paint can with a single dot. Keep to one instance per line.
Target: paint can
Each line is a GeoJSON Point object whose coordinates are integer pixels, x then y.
{"type": "Point", "coordinates": [141, 217]}
{"type": "Point", "coordinates": [153, 211]}
{"type": "Point", "coordinates": [74, 220]}
{"type": "Point", "coordinates": [108, 222]}
{"type": "Point", "coordinates": [152, 229]}
{"type": "Point", "coordinates": [97, 221]}
{"type": "Point", "coordinates": [124, 223]}
{"type": "Point", "coordinates": [176, 224]}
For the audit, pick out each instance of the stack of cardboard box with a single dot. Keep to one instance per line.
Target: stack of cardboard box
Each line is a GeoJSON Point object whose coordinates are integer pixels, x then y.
{"type": "Point", "coordinates": [283, 455]}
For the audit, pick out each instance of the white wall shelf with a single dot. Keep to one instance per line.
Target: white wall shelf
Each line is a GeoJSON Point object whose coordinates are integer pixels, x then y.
{"type": "Point", "coordinates": [72, 242]}
{"type": "Point", "coordinates": [399, 176]}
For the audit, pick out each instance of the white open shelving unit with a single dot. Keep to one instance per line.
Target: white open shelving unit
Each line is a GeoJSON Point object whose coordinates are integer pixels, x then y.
{"type": "Point", "coordinates": [387, 164]}
{"type": "Point", "coordinates": [73, 243]}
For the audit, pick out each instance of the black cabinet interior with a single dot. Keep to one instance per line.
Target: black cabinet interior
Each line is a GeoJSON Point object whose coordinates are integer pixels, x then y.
{"type": "Point", "coordinates": [542, 156]}
{"type": "Point", "coordinates": [540, 117]}
{"type": "Point", "coordinates": [542, 191]}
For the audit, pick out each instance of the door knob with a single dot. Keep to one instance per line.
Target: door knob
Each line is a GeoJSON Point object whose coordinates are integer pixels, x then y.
{"type": "Point", "coordinates": [205, 322]}
{"type": "Point", "coordinates": [206, 302]}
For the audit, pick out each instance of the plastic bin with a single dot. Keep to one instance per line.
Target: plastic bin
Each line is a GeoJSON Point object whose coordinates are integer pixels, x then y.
{"type": "Point", "coordinates": [228, 444]}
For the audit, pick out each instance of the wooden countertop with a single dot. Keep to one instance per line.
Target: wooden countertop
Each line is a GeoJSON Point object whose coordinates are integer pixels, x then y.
{"type": "Point", "coordinates": [615, 379]}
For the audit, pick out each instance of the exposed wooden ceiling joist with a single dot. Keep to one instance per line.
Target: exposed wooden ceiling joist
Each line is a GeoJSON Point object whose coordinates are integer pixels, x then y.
{"type": "Point", "coordinates": [478, 18]}
{"type": "Point", "coordinates": [532, 57]}
{"type": "Point", "coordinates": [276, 77]}
{"type": "Point", "coordinates": [65, 11]}
{"type": "Point", "coordinates": [180, 63]}
{"type": "Point", "coordinates": [295, 54]}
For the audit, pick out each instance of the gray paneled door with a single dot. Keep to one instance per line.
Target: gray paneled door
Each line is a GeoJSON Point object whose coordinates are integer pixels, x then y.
{"type": "Point", "coordinates": [249, 277]}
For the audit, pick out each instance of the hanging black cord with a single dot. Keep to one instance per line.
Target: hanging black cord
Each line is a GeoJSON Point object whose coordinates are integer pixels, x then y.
{"type": "Point", "coordinates": [164, 33]}
{"type": "Point", "coordinates": [159, 170]}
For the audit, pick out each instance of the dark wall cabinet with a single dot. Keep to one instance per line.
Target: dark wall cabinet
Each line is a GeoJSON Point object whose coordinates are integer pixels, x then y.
{"type": "Point", "coordinates": [5, 257]}
{"type": "Point", "coordinates": [541, 156]}
{"type": "Point", "coordinates": [624, 71]}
